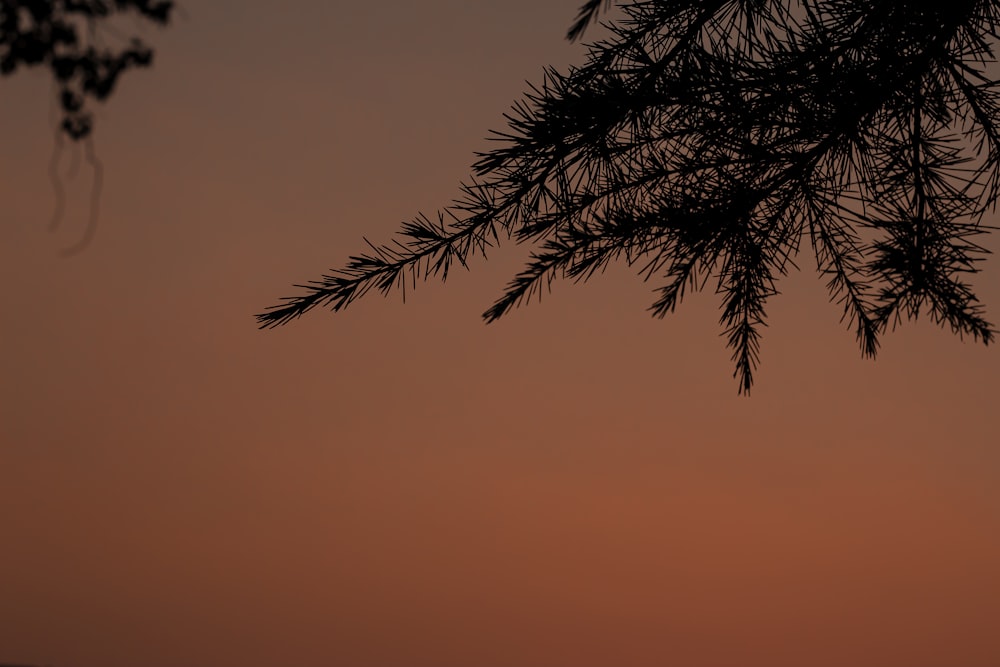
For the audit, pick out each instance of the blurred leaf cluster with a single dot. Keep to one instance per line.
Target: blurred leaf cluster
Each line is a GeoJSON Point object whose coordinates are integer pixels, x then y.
{"type": "Point", "coordinates": [70, 38]}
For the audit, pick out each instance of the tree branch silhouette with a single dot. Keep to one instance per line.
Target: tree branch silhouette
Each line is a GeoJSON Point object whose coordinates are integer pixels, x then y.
{"type": "Point", "coordinates": [68, 38]}
{"type": "Point", "coordinates": [65, 36]}
{"type": "Point", "coordinates": [707, 139]}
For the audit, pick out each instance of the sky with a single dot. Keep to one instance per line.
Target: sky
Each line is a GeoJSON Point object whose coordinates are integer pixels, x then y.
{"type": "Point", "coordinates": [576, 485]}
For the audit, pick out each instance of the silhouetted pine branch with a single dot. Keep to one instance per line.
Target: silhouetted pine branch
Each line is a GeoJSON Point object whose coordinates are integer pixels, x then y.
{"type": "Point", "coordinates": [707, 139]}
{"type": "Point", "coordinates": [588, 15]}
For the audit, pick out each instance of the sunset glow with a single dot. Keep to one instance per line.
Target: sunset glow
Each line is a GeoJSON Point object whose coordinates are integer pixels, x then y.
{"type": "Point", "coordinates": [576, 485]}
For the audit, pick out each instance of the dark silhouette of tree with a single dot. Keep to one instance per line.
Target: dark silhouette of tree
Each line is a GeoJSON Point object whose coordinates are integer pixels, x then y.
{"type": "Point", "coordinates": [81, 44]}
{"type": "Point", "coordinates": [708, 139]}
{"type": "Point", "coordinates": [66, 37]}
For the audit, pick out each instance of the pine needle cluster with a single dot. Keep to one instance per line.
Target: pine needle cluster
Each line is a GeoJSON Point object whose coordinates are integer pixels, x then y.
{"type": "Point", "coordinates": [706, 141]}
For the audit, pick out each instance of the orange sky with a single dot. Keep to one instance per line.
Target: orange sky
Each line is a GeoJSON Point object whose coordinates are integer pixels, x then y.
{"type": "Point", "coordinates": [577, 485]}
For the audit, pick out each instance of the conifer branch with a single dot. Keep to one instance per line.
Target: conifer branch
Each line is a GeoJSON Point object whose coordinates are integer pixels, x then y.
{"type": "Point", "coordinates": [705, 140]}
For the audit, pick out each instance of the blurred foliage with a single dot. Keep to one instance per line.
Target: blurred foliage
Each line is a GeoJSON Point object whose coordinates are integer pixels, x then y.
{"type": "Point", "coordinates": [70, 38]}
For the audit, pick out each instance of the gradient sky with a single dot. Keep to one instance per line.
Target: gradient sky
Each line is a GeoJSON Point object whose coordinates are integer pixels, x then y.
{"type": "Point", "coordinates": [577, 485]}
